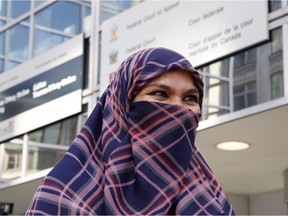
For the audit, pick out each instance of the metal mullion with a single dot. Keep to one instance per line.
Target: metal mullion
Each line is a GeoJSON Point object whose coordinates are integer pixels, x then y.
{"type": "Point", "coordinates": [54, 31]}
{"type": "Point", "coordinates": [285, 57]}
{"type": "Point", "coordinates": [47, 145]}
{"type": "Point", "coordinates": [24, 156]}
{"type": "Point", "coordinates": [231, 84]}
{"type": "Point", "coordinates": [2, 150]}
{"type": "Point", "coordinates": [31, 30]}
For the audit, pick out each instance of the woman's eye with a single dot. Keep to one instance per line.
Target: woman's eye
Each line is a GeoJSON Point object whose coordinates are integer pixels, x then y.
{"type": "Point", "coordinates": [191, 98]}
{"type": "Point", "coordinates": [159, 94]}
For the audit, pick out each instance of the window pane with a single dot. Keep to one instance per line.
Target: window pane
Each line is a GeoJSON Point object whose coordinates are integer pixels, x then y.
{"type": "Point", "coordinates": [44, 41]}
{"type": "Point", "coordinates": [239, 102]}
{"type": "Point", "coordinates": [11, 159]}
{"type": "Point", "coordinates": [2, 23]}
{"type": "Point", "coordinates": [62, 16]}
{"type": "Point", "coordinates": [87, 11]}
{"type": "Point", "coordinates": [19, 7]}
{"type": "Point", "coordinates": [60, 133]}
{"type": "Point", "coordinates": [220, 68]}
{"type": "Point", "coordinates": [276, 40]}
{"type": "Point", "coordinates": [42, 158]}
{"type": "Point", "coordinates": [213, 112]}
{"type": "Point", "coordinates": [251, 55]}
{"type": "Point", "coordinates": [1, 65]}
{"type": "Point", "coordinates": [3, 8]}
{"type": "Point", "coordinates": [18, 42]}
{"type": "Point", "coordinates": [274, 5]}
{"type": "Point", "coordinates": [245, 95]}
{"type": "Point", "coordinates": [11, 64]}
{"type": "Point", "coordinates": [217, 92]}
{"type": "Point", "coordinates": [2, 43]}
{"type": "Point", "coordinates": [277, 86]}
{"type": "Point", "coordinates": [251, 99]}
{"type": "Point", "coordinates": [239, 60]}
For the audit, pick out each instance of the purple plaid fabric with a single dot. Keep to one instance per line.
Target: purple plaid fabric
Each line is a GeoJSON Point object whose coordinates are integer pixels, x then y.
{"type": "Point", "coordinates": [134, 157]}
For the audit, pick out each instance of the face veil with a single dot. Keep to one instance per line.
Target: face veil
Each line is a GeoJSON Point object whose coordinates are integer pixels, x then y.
{"type": "Point", "coordinates": [134, 157]}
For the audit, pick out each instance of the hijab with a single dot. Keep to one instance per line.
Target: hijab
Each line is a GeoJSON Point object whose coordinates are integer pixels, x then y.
{"type": "Point", "coordinates": [134, 157]}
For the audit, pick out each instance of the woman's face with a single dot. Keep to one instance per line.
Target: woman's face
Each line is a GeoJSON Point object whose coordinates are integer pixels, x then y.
{"type": "Point", "coordinates": [172, 87]}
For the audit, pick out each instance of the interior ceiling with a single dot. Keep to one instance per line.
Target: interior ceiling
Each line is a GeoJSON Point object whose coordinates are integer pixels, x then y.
{"type": "Point", "coordinates": [258, 169]}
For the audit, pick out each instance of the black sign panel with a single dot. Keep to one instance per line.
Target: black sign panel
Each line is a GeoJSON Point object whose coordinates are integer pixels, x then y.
{"type": "Point", "coordinates": [41, 89]}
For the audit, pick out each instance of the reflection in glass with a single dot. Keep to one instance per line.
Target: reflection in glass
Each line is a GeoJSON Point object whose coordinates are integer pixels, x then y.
{"type": "Point", "coordinates": [2, 43]}
{"type": "Point", "coordinates": [1, 65]}
{"type": "Point", "coordinates": [40, 158]}
{"type": "Point", "coordinates": [277, 85]}
{"type": "Point", "coordinates": [220, 68]}
{"type": "Point", "coordinates": [3, 8]}
{"type": "Point", "coordinates": [2, 23]}
{"type": "Point", "coordinates": [61, 16]}
{"type": "Point", "coordinates": [274, 5]}
{"type": "Point", "coordinates": [59, 133]}
{"type": "Point", "coordinates": [11, 64]}
{"type": "Point", "coordinates": [44, 41]}
{"type": "Point", "coordinates": [48, 144]}
{"type": "Point", "coordinates": [276, 43]}
{"type": "Point", "coordinates": [245, 95]}
{"type": "Point", "coordinates": [11, 159]}
{"type": "Point", "coordinates": [245, 57]}
{"type": "Point", "coordinates": [19, 7]}
{"type": "Point", "coordinates": [18, 42]}
{"type": "Point", "coordinates": [217, 92]}
{"type": "Point", "coordinates": [213, 112]}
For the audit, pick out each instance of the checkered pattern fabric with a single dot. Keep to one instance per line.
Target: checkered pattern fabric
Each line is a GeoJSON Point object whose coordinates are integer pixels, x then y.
{"type": "Point", "coordinates": [134, 157]}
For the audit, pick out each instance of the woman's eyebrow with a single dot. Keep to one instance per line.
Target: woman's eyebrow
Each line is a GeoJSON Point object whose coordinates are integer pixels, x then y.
{"type": "Point", "coordinates": [193, 91]}
{"type": "Point", "coordinates": [158, 85]}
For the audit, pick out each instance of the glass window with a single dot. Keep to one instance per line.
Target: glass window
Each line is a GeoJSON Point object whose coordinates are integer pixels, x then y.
{"type": "Point", "coordinates": [245, 57]}
{"type": "Point", "coordinates": [3, 8]}
{"type": "Point", "coordinates": [220, 68]}
{"type": "Point", "coordinates": [44, 41]}
{"type": "Point", "coordinates": [87, 11]}
{"type": "Point", "coordinates": [11, 156]}
{"type": "Point", "coordinates": [1, 65]}
{"type": "Point", "coordinates": [217, 92]}
{"type": "Point", "coordinates": [2, 23]}
{"type": "Point", "coordinates": [2, 43]}
{"type": "Point", "coordinates": [41, 158]}
{"type": "Point", "coordinates": [276, 36]}
{"type": "Point", "coordinates": [11, 64]}
{"type": "Point", "coordinates": [19, 7]}
{"type": "Point", "coordinates": [60, 133]}
{"type": "Point", "coordinates": [213, 112]}
{"type": "Point", "coordinates": [245, 95]}
{"type": "Point", "coordinates": [274, 5]}
{"type": "Point", "coordinates": [48, 144]}
{"type": "Point", "coordinates": [61, 16]}
{"type": "Point", "coordinates": [277, 86]}
{"type": "Point", "coordinates": [18, 42]}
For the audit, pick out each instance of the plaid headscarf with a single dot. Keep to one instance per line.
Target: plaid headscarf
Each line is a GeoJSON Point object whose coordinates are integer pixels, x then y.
{"type": "Point", "coordinates": [134, 157]}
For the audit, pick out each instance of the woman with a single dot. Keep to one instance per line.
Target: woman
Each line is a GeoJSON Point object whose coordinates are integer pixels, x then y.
{"type": "Point", "coordinates": [136, 152]}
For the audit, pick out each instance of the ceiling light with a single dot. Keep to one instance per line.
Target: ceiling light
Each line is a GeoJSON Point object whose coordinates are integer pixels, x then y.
{"type": "Point", "coordinates": [233, 146]}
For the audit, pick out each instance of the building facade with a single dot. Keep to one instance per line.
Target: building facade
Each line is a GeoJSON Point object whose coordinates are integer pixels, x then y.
{"type": "Point", "coordinates": [238, 86]}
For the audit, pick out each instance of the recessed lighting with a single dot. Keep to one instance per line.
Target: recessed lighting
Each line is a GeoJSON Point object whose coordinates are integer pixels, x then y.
{"type": "Point", "coordinates": [233, 146]}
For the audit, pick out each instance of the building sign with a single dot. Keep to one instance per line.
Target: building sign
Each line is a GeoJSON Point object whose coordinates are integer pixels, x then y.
{"type": "Point", "coordinates": [201, 31]}
{"type": "Point", "coordinates": [42, 90]}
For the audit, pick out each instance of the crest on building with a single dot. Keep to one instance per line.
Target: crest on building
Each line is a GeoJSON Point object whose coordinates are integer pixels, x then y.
{"type": "Point", "coordinates": [113, 33]}
{"type": "Point", "coordinates": [113, 57]}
